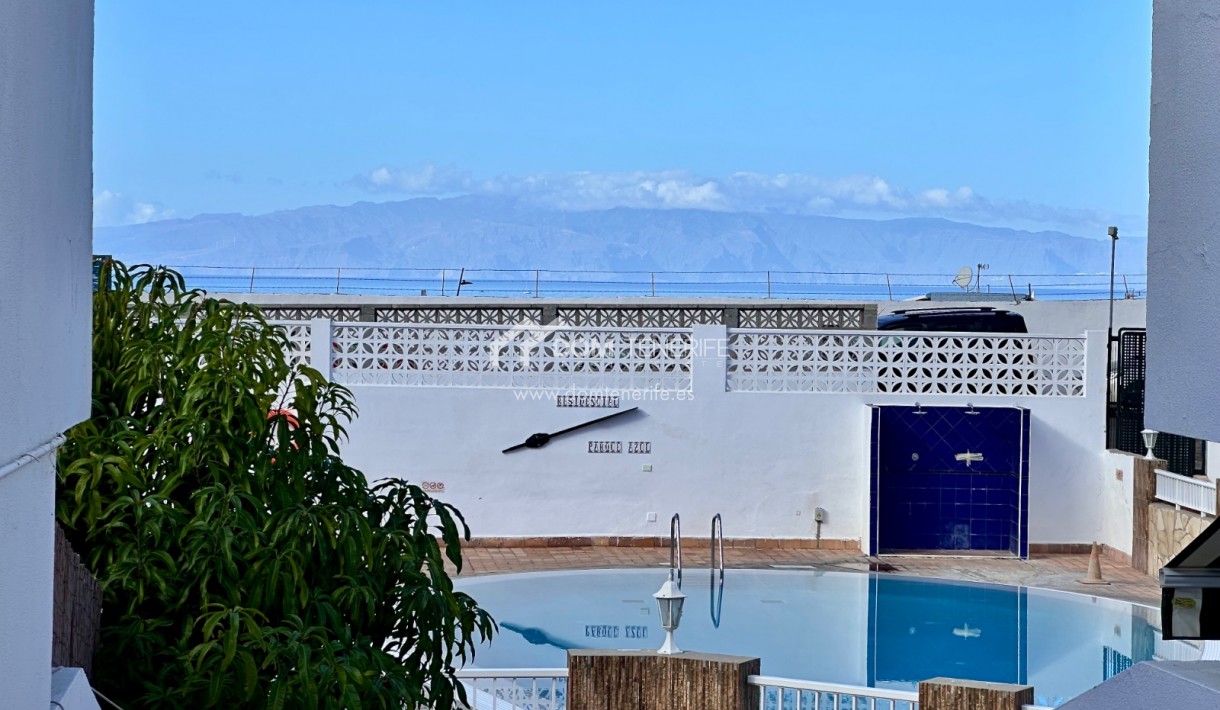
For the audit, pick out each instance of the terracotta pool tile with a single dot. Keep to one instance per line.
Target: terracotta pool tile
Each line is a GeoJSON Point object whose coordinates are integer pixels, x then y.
{"type": "Point", "coordinates": [1046, 570]}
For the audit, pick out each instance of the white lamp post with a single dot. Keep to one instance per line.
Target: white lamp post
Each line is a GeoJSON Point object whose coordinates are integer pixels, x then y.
{"type": "Point", "coordinates": [1149, 441]}
{"type": "Point", "coordinates": [669, 602]}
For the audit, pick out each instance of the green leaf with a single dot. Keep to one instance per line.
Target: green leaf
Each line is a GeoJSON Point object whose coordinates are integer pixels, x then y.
{"type": "Point", "coordinates": [242, 563]}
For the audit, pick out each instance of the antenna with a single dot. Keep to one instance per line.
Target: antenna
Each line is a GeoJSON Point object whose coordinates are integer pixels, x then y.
{"type": "Point", "coordinates": [963, 278]}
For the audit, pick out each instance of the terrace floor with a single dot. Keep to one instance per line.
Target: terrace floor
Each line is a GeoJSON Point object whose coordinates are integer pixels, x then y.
{"type": "Point", "coordinates": [1047, 571]}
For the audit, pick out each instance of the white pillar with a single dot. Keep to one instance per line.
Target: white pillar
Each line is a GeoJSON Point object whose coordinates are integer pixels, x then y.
{"type": "Point", "coordinates": [1184, 220]}
{"type": "Point", "coordinates": [708, 368]}
{"type": "Point", "coordinates": [321, 356]}
{"type": "Point", "coordinates": [46, 123]}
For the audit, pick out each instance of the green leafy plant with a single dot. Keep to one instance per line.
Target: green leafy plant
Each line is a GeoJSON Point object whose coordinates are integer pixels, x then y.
{"type": "Point", "coordinates": [243, 563]}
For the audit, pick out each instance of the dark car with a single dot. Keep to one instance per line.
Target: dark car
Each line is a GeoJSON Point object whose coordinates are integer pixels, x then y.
{"type": "Point", "coordinates": [954, 320]}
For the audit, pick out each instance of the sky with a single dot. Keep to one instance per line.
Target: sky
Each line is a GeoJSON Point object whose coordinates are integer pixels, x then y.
{"type": "Point", "coordinates": [1025, 113]}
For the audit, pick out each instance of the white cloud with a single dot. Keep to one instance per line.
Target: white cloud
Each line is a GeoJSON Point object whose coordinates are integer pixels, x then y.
{"type": "Point", "coordinates": [794, 193]}
{"type": "Point", "coordinates": [112, 208]}
{"type": "Point", "coordinates": [428, 180]}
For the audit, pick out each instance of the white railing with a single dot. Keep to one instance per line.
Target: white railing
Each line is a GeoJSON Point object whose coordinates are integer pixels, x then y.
{"type": "Point", "coordinates": [516, 688]}
{"type": "Point", "coordinates": [788, 694]}
{"type": "Point", "coordinates": [516, 283]}
{"type": "Point", "coordinates": [547, 689]}
{"type": "Point", "coordinates": [558, 357]}
{"type": "Point", "coordinates": [542, 357]}
{"type": "Point", "coordinates": [299, 340]}
{"type": "Point", "coordinates": [1184, 492]}
{"type": "Point", "coordinates": [905, 363]}
{"type": "Point", "coordinates": [1163, 650]}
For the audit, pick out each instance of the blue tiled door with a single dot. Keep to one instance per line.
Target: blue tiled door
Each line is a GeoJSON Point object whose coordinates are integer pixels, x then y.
{"type": "Point", "coordinates": [949, 478]}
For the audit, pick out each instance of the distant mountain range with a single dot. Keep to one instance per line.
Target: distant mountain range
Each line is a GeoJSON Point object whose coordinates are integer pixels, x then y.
{"type": "Point", "coordinates": [486, 232]}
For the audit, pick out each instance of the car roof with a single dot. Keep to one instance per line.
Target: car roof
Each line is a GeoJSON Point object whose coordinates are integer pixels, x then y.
{"type": "Point", "coordinates": [985, 318]}
{"type": "Point", "coordinates": [951, 311]}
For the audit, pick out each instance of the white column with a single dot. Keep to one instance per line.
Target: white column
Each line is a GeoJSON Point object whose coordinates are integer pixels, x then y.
{"type": "Point", "coordinates": [708, 369]}
{"type": "Point", "coordinates": [1184, 220]}
{"type": "Point", "coordinates": [321, 355]}
{"type": "Point", "coordinates": [46, 120]}
{"type": "Point", "coordinates": [27, 562]}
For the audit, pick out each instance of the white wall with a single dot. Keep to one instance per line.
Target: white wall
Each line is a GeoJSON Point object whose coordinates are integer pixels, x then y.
{"type": "Point", "coordinates": [1041, 317]}
{"type": "Point", "coordinates": [1184, 220]}
{"type": "Point", "coordinates": [763, 460]}
{"type": "Point", "coordinates": [46, 74]}
{"type": "Point", "coordinates": [1114, 497]}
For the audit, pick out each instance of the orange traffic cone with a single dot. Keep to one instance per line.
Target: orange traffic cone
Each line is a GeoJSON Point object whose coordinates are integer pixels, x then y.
{"type": "Point", "coordinates": [1094, 575]}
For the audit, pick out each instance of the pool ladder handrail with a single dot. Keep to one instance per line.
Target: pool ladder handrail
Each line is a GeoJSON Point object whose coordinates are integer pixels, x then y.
{"type": "Point", "coordinates": [675, 548]}
{"type": "Point", "coordinates": [716, 600]}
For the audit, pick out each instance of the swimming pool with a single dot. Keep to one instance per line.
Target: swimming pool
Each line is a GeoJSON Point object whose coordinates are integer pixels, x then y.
{"type": "Point", "coordinates": [881, 631]}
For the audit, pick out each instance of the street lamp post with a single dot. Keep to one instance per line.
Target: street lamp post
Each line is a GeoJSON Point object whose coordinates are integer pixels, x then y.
{"type": "Point", "coordinates": [1111, 422]}
{"type": "Point", "coordinates": [1113, 232]}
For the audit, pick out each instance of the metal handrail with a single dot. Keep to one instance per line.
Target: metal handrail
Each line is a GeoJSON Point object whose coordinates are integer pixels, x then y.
{"type": "Point", "coordinates": [675, 547]}
{"type": "Point", "coordinates": [716, 600]}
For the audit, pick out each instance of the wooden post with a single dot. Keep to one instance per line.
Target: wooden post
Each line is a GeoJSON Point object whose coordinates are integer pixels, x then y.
{"type": "Point", "coordinates": [77, 616]}
{"type": "Point", "coordinates": [646, 680]}
{"type": "Point", "coordinates": [952, 694]}
{"type": "Point", "coordinates": [1143, 492]}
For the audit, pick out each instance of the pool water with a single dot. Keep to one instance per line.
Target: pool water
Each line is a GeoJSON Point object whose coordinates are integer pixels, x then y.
{"type": "Point", "coordinates": [872, 630]}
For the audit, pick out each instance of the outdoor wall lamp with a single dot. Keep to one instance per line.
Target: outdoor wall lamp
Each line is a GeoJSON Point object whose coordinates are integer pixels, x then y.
{"type": "Point", "coordinates": [669, 603]}
{"type": "Point", "coordinates": [1149, 441]}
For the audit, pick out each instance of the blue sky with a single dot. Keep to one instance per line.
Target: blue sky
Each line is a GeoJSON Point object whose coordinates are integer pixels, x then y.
{"type": "Point", "coordinates": [1029, 113]}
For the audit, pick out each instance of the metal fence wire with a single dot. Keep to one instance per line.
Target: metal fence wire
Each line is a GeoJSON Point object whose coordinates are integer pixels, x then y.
{"type": "Point", "coordinates": [544, 283]}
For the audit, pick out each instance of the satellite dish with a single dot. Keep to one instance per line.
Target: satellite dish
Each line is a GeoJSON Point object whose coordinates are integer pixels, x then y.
{"type": "Point", "coordinates": [964, 277]}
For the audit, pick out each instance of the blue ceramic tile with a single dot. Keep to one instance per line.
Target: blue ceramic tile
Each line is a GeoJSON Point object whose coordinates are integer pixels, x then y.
{"type": "Point", "coordinates": [923, 497]}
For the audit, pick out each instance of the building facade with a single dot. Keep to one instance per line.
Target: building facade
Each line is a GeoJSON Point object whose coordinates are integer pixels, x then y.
{"type": "Point", "coordinates": [46, 182]}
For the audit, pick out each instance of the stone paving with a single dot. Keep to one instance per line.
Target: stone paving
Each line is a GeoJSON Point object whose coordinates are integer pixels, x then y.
{"type": "Point", "coordinates": [1048, 571]}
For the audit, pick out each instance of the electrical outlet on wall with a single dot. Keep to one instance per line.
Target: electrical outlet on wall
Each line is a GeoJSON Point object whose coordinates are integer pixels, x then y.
{"type": "Point", "coordinates": [650, 517]}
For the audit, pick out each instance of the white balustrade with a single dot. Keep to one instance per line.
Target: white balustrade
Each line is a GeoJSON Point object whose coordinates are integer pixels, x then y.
{"type": "Point", "coordinates": [1163, 650]}
{"type": "Point", "coordinates": [1185, 492]}
{"type": "Point", "coordinates": [788, 694]}
{"type": "Point", "coordinates": [547, 689]}
{"type": "Point", "coordinates": [299, 340]}
{"type": "Point", "coordinates": [905, 363]}
{"type": "Point", "coordinates": [758, 360]}
{"type": "Point", "coordinates": [516, 689]}
{"type": "Point", "coordinates": [525, 356]}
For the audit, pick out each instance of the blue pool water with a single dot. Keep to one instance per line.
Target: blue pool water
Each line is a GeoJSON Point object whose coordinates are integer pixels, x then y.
{"type": "Point", "coordinates": [873, 630]}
